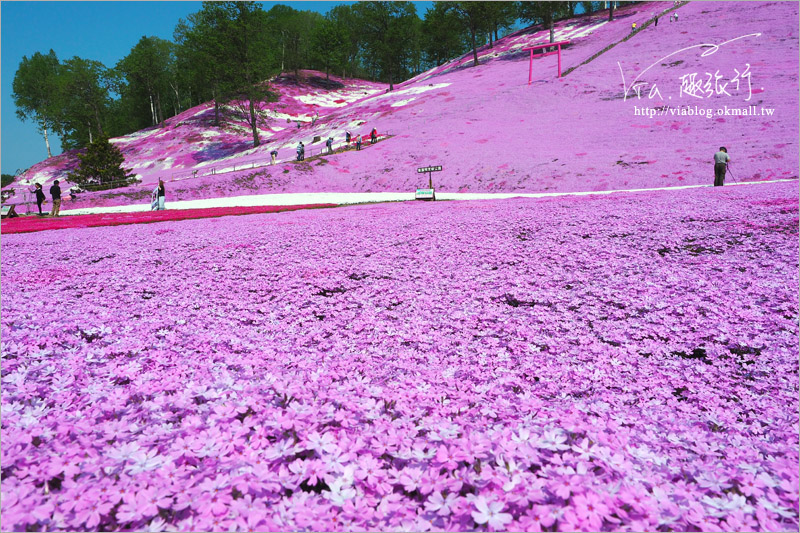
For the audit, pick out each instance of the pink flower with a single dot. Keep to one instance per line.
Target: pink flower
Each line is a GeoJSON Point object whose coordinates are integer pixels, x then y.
{"type": "Point", "coordinates": [439, 504]}
{"type": "Point", "coordinates": [591, 509]}
{"type": "Point", "coordinates": [490, 513]}
{"type": "Point", "coordinates": [540, 516]}
{"type": "Point", "coordinates": [567, 485]}
{"type": "Point", "coordinates": [91, 514]}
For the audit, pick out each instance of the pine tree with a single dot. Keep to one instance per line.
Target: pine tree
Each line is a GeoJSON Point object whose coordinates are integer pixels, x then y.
{"type": "Point", "coordinates": [101, 164]}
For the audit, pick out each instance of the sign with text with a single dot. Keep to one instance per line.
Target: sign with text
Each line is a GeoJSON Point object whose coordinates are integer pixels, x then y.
{"type": "Point", "coordinates": [429, 169]}
{"type": "Point", "coordinates": [425, 194]}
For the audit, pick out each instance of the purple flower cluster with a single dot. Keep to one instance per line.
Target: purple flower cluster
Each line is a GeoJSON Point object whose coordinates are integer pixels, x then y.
{"type": "Point", "coordinates": [626, 362]}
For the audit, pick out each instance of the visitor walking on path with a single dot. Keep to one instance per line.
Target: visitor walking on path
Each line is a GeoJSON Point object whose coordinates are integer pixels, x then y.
{"type": "Point", "coordinates": [721, 160]}
{"type": "Point", "coordinates": [656, 21]}
{"type": "Point", "coordinates": [274, 156]}
{"type": "Point", "coordinates": [40, 198]}
{"type": "Point", "coordinates": [329, 144]}
{"type": "Point", "coordinates": [162, 194]}
{"type": "Point", "coordinates": [301, 151]}
{"type": "Point", "coordinates": [55, 192]}
{"type": "Point", "coordinates": [373, 136]}
{"type": "Point", "coordinates": [154, 199]}
{"type": "Point", "coordinates": [358, 142]}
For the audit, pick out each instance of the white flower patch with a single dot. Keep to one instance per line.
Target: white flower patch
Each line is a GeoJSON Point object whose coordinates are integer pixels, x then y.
{"type": "Point", "coordinates": [401, 103]}
{"type": "Point", "coordinates": [143, 134]}
{"type": "Point", "coordinates": [329, 99]}
{"type": "Point", "coordinates": [588, 30]}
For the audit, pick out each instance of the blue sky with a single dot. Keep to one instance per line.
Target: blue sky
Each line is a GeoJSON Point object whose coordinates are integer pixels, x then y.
{"type": "Point", "coordinates": [103, 31]}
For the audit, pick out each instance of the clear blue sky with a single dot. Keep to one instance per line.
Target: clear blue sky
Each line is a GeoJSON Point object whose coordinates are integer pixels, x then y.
{"type": "Point", "coordinates": [103, 31]}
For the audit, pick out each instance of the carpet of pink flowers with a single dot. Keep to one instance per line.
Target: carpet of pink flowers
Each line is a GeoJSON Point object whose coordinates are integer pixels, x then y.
{"type": "Point", "coordinates": [623, 362]}
{"type": "Point", "coordinates": [492, 132]}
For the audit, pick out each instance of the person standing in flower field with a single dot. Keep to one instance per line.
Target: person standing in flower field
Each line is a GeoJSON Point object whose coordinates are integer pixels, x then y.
{"type": "Point", "coordinates": [358, 142]}
{"type": "Point", "coordinates": [656, 22]}
{"type": "Point", "coordinates": [329, 144]}
{"type": "Point", "coordinates": [40, 198]}
{"type": "Point", "coordinates": [373, 136]}
{"type": "Point", "coordinates": [274, 156]}
{"type": "Point", "coordinates": [162, 194]}
{"type": "Point", "coordinates": [347, 138]}
{"type": "Point", "coordinates": [55, 192]}
{"type": "Point", "coordinates": [721, 160]}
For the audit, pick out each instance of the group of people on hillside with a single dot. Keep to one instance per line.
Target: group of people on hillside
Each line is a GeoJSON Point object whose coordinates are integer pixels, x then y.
{"type": "Point", "coordinates": [301, 147]}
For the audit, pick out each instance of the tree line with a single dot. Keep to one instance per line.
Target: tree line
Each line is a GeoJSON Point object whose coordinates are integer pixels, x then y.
{"type": "Point", "coordinates": [227, 51]}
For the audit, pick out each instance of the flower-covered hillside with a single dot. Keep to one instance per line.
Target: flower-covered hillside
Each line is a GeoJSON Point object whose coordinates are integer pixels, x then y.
{"type": "Point", "coordinates": [189, 141]}
{"type": "Point", "coordinates": [492, 132]}
{"type": "Point", "coordinates": [623, 362]}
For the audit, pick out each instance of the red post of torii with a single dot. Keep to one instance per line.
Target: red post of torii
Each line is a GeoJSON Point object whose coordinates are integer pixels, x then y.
{"type": "Point", "coordinates": [558, 45]}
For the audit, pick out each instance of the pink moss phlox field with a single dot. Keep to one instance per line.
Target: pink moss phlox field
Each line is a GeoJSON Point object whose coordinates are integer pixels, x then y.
{"type": "Point", "coordinates": [492, 132]}
{"type": "Point", "coordinates": [31, 224]}
{"type": "Point", "coordinates": [623, 362]}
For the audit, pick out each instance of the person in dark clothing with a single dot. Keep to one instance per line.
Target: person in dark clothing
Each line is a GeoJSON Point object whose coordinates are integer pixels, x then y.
{"type": "Point", "coordinates": [358, 142]}
{"type": "Point", "coordinates": [347, 138]}
{"type": "Point", "coordinates": [39, 197]}
{"type": "Point", "coordinates": [162, 195]}
{"type": "Point", "coordinates": [55, 192]}
{"type": "Point", "coordinates": [373, 136]}
{"type": "Point", "coordinates": [721, 160]}
{"type": "Point", "coordinates": [329, 144]}
{"type": "Point", "coordinates": [656, 21]}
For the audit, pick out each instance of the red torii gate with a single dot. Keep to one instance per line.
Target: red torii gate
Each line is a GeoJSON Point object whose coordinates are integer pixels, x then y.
{"type": "Point", "coordinates": [547, 45]}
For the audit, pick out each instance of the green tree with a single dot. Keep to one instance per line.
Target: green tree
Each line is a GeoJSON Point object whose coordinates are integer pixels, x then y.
{"type": "Point", "coordinates": [35, 89]}
{"type": "Point", "coordinates": [500, 16]}
{"type": "Point", "coordinates": [147, 70]}
{"type": "Point", "coordinates": [474, 19]}
{"type": "Point", "coordinates": [328, 44]}
{"type": "Point", "coordinates": [292, 32]}
{"type": "Point", "coordinates": [7, 179]}
{"type": "Point", "coordinates": [545, 13]}
{"type": "Point", "coordinates": [83, 101]}
{"type": "Point", "coordinates": [100, 164]}
{"type": "Point", "coordinates": [203, 51]}
{"type": "Point", "coordinates": [389, 35]}
{"type": "Point", "coordinates": [442, 35]}
{"type": "Point", "coordinates": [346, 20]}
{"type": "Point", "coordinates": [250, 62]}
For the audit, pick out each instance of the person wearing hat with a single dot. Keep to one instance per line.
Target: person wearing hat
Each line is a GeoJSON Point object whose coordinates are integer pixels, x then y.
{"type": "Point", "coordinates": [721, 160]}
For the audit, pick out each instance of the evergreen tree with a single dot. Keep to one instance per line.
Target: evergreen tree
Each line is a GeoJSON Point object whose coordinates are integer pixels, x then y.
{"type": "Point", "coordinates": [100, 164]}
